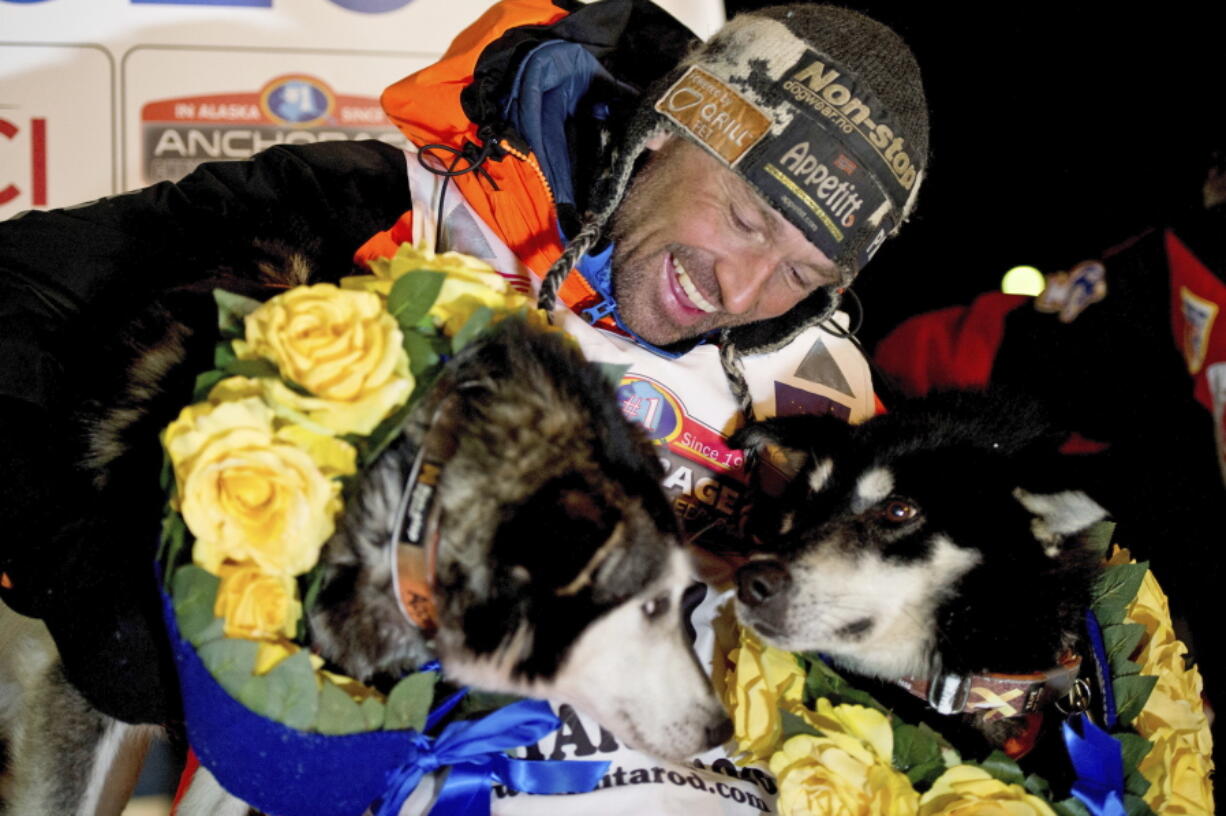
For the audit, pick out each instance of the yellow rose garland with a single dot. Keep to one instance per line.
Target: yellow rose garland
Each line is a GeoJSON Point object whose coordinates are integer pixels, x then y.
{"type": "Point", "coordinates": [1179, 767]}
{"type": "Point", "coordinates": [258, 465]}
{"type": "Point", "coordinates": [842, 762]}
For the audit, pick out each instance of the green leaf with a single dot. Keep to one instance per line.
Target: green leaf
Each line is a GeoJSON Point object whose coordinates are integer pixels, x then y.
{"type": "Point", "coordinates": [793, 725]}
{"type": "Point", "coordinates": [1115, 589]}
{"type": "Point", "coordinates": [372, 712]}
{"type": "Point", "coordinates": [410, 700]}
{"type": "Point", "coordinates": [232, 310]}
{"type": "Point", "coordinates": [1038, 786]}
{"type": "Point", "coordinates": [914, 746]}
{"type": "Point", "coordinates": [215, 630]}
{"type": "Point", "coordinates": [613, 372]}
{"type": "Point", "coordinates": [223, 355]}
{"type": "Point", "coordinates": [1097, 538]}
{"type": "Point", "coordinates": [257, 695]}
{"type": "Point", "coordinates": [1070, 807]}
{"type": "Point", "coordinates": [923, 774]}
{"type": "Point", "coordinates": [476, 324]}
{"type": "Point", "coordinates": [1121, 640]}
{"type": "Point", "coordinates": [173, 543]}
{"type": "Point", "coordinates": [1135, 806]}
{"type": "Point", "coordinates": [287, 694]}
{"type": "Point", "coordinates": [823, 681]}
{"type": "Point", "coordinates": [421, 352]}
{"type": "Point", "coordinates": [256, 369]}
{"type": "Point", "coordinates": [1134, 748]}
{"type": "Point", "coordinates": [166, 478]}
{"type": "Point", "coordinates": [1003, 768]}
{"type": "Point", "coordinates": [194, 592]}
{"type": "Point", "coordinates": [1130, 695]}
{"type": "Point", "coordinates": [204, 384]}
{"type": "Point", "coordinates": [387, 430]}
{"type": "Point", "coordinates": [1135, 783]}
{"type": "Point", "coordinates": [313, 581]}
{"type": "Point", "coordinates": [338, 713]}
{"type": "Point", "coordinates": [413, 294]}
{"type": "Point", "coordinates": [230, 661]}
{"type": "Point", "coordinates": [917, 753]}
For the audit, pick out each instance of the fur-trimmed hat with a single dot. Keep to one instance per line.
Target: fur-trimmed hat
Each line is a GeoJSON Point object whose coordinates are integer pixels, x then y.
{"type": "Point", "coordinates": [820, 109]}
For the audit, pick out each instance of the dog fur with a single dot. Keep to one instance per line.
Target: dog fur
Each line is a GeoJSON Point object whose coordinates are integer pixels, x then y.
{"type": "Point", "coordinates": [557, 547]}
{"type": "Point", "coordinates": [938, 537]}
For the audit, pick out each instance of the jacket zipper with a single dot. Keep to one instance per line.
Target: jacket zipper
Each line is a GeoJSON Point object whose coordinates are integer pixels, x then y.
{"type": "Point", "coordinates": [532, 162]}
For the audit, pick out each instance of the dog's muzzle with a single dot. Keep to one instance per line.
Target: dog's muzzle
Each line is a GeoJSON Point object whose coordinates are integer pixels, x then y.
{"type": "Point", "coordinates": [762, 583]}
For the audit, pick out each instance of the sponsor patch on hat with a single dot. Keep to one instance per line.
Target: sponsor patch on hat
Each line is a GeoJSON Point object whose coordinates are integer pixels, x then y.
{"type": "Point", "coordinates": [714, 114]}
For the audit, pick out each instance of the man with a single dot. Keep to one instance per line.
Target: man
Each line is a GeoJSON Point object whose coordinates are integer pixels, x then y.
{"type": "Point", "coordinates": [716, 214]}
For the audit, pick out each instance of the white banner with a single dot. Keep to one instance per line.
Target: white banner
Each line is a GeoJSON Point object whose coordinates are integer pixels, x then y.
{"type": "Point", "coordinates": [100, 96]}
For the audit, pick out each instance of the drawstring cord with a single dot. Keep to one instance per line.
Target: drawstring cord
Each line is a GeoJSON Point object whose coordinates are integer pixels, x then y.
{"type": "Point", "coordinates": [475, 156]}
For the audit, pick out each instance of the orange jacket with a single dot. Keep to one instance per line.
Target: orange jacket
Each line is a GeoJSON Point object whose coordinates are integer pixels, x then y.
{"type": "Point", "coordinates": [426, 106]}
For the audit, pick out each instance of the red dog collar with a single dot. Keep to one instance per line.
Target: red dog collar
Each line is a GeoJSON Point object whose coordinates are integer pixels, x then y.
{"type": "Point", "coordinates": [997, 696]}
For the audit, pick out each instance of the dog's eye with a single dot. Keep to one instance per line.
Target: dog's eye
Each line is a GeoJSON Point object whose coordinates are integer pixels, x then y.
{"type": "Point", "coordinates": [898, 511]}
{"type": "Point", "coordinates": [656, 607]}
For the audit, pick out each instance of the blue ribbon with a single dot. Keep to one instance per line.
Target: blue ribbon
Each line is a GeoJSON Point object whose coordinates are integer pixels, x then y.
{"type": "Point", "coordinates": [1102, 669]}
{"type": "Point", "coordinates": [475, 750]}
{"type": "Point", "coordinates": [1098, 761]}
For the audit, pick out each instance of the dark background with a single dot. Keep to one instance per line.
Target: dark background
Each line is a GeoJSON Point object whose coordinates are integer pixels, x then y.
{"type": "Point", "coordinates": [1058, 131]}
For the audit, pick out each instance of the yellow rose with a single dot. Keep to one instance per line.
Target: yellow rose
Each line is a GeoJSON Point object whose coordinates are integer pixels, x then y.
{"type": "Point", "coordinates": [469, 284]}
{"type": "Point", "coordinates": [256, 605]}
{"type": "Point", "coordinates": [247, 491]}
{"type": "Point", "coordinates": [967, 791]}
{"type": "Point", "coordinates": [1179, 774]}
{"type": "Point", "coordinates": [837, 775]}
{"type": "Point", "coordinates": [758, 682]}
{"type": "Point", "coordinates": [342, 346]}
{"type": "Point", "coordinates": [869, 726]}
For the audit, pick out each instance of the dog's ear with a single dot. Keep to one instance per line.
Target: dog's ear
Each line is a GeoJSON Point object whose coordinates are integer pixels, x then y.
{"type": "Point", "coordinates": [437, 425]}
{"type": "Point", "coordinates": [557, 538]}
{"type": "Point", "coordinates": [790, 445]}
{"type": "Point", "coordinates": [1060, 514]}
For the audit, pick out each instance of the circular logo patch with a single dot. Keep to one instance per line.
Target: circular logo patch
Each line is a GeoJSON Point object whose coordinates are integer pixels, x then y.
{"type": "Point", "coordinates": [297, 100]}
{"type": "Point", "coordinates": [652, 407]}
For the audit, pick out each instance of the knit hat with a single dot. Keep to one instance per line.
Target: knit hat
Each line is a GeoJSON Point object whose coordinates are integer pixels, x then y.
{"type": "Point", "coordinates": [820, 109]}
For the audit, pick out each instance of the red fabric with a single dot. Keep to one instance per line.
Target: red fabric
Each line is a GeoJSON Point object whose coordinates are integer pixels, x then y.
{"type": "Point", "coordinates": [185, 779]}
{"type": "Point", "coordinates": [1201, 345]}
{"type": "Point", "coordinates": [948, 348]}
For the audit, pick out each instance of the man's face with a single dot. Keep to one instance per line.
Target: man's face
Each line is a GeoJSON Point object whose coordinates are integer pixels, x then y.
{"type": "Point", "coordinates": [697, 249]}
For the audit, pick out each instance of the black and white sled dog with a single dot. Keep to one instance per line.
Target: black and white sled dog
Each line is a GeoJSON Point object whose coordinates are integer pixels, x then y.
{"type": "Point", "coordinates": [559, 565]}
{"type": "Point", "coordinates": [934, 545]}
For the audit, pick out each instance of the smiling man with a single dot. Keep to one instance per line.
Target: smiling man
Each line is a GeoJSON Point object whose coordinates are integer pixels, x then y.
{"type": "Point", "coordinates": [698, 250]}
{"type": "Point", "coordinates": [690, 213]}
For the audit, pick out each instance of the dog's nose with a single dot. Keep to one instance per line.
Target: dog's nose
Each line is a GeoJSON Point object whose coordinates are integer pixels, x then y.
{"type": "Point", "coordinates": [720, 733]}
{"type": "Point", "coordinates": [759, 581]}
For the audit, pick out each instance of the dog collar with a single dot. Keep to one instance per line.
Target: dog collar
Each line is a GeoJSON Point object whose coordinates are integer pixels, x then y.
{"type": "Point", "coordinates": [996, 696]}
{"type": "Point", "coordinates": [414, 550]}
